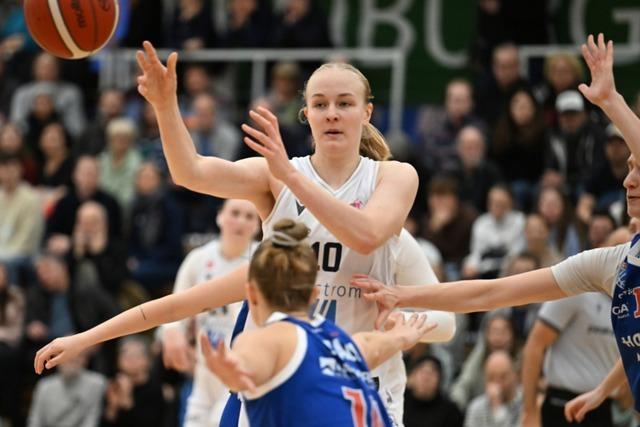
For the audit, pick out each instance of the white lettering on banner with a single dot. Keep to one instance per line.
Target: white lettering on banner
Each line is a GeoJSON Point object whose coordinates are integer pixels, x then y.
{"type": "Point", "coordinates": [371, 17]}
{"type": "Point", "coordinates": [631, 17]}
{"type": "Point", "coordinates": [433, 42]}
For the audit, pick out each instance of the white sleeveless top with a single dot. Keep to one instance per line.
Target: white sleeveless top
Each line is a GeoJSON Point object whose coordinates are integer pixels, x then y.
{"type": "Point", "coordinates": [337, 300]}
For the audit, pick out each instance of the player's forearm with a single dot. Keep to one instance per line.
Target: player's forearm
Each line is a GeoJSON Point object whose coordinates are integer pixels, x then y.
{"type": "Point", "coordinates": [532, 359]}
{"type": "Point", "coordinates": [350, 225]}
{"type": "Point", "coordinates": [215, 293]}
{"type": "Point", "coordinates": [616, 108]}
{"type": "Point", "coordinates": [445, 325]}
{"type": "Point", "coordinates": [613, 380]}
{"type": "Point", "coordinates": [377, 347]}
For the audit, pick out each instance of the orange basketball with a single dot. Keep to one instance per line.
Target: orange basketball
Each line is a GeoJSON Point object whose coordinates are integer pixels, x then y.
{"type": "Point", "coordinates": [71, 29]}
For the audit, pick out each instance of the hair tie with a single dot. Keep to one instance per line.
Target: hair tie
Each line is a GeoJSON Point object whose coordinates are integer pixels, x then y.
{"type": "Point", "coordinates": [283, 240]}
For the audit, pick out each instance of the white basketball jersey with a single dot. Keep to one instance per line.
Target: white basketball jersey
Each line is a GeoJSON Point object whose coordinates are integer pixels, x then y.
{"type": "Point", "coordinates": [338, 301]}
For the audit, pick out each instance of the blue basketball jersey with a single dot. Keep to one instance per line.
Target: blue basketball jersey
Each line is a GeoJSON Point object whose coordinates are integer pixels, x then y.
{"type": "Point", "coordinates": [626, 326]}
{"type": "Point", "coordinates": [326, 383]}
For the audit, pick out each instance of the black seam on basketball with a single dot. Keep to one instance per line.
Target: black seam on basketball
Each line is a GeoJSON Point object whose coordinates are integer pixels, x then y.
{"type": "Point", "coordinates": [68, 31]}
{"type": "Point", "coordinates": [95, 27]}
{"type": "Point", "coordinates": [53, 22]}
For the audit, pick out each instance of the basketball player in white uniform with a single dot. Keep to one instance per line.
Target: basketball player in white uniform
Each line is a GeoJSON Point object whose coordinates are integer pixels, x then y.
{"type": "Point", "coordinates": [362, 204]}
{"type": "Point", "coordinates": [238, 223]}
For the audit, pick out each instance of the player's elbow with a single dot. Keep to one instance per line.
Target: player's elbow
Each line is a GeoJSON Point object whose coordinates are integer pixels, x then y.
{"type": "Point", "coordinates": [368, 241]}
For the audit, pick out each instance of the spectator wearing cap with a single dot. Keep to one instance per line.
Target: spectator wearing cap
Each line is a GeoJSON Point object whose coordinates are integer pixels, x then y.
{"type": "Point", "coordinates": [424, 398]}
{"type": "Point", "coordinates": [21, 221]}
{"type": "Point", "coordinates": [120, 161]}
{"type": "Point", "coordinates": [575, 147]}
{"type": "Point", "coordinates": [603, 187]}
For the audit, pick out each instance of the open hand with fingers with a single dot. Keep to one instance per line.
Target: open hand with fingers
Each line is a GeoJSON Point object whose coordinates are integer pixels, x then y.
{"type": "Point", "coordinates": [268, 143]}
{"type": "Point", "coordinates": [58, 351]}
{"type": "Point", "coordinates": [226, 366]}
{"type": "Point", "coordinates": [410, 328]}
{"type": "Point", "coordinates": [158, 83]}
{"type": "Point", "coordinates": [599, 59]}
{"type": "Point", "coordinates": [386, 297]}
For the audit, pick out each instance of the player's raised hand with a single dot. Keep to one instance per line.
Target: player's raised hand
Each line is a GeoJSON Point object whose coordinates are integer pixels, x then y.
{"type": "Point", "coordinates": [384, 296]}
{"type": "Point", "coordinates": [268, 142]}
{"type": "Point", "coordinates": [158, 83]}
{"type": "Point", "coordinates": [226, 366]}
{"type": "Point", "coordinates": [58, 351]}
{"type": "Point", "coordinates": [576, 409]}
{"type": "Point", "coordinates": [411, 328]}
{"type": "Point", "coordinates": [599, 59]}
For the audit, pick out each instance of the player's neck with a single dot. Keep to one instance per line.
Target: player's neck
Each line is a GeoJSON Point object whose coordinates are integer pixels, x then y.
{"type": "Point", "coordinates": [335, 171]}
{"type": "Point", "coordinates": [232, 249]}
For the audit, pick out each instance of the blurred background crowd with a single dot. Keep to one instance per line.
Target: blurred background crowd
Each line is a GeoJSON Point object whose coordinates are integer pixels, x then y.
{"type": "Point", "coordinates": [517, 171]}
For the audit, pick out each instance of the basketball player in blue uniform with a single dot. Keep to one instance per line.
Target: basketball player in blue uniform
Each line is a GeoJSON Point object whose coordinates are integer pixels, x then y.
{"type": "Point", "coordinates": [612, 270]}
{"type": "Point", "coordinates": [300, 371]}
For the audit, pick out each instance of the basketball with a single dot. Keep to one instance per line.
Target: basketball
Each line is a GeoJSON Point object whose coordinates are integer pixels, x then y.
{"type": "Point", "coordinates": [71, 29]}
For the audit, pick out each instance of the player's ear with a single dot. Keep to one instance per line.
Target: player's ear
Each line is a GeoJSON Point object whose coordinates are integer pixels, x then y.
{"type": "Point", "coordinates": [252, 292]}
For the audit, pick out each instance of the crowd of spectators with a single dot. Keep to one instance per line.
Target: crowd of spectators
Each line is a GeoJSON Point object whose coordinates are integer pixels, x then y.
{"type": "Point", "coordinates": [515, 174]}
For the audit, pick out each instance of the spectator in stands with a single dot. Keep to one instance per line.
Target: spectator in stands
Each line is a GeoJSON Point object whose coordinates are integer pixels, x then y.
{"type": "Point", "coordinates": [155, 247]}
{"type": "Point", "coordinates": [41, 115]}
{"type": "Point", "coordinates": [438, 128]}
{"type": "Point", "coordinates": [70, 397]}
{"type": "Point", "coordinates": [495, 236]}
{"type": "Point", "coordinates": [94, 140]}
{"type": "Point", "coordinates": [12, 144]}
{"type": "Point", "coordinates": [474, 172]}
{"type": "Point", "coordinates": [12, 312]}
{"type": "Point", "coordinates": [538, 243]}
{"type": "Point", "coordinates": [148, 142]}
{"type": "Point", "coordinates": [603, 187]}
{"type": "Point", "coordinates": [61, 222]}
{"type": "Point", "coordinates": [8, 84]}
{"type": "Point", "coordinates": [134, 397]}
{"type": "Point", "coordinates": [56, 168]}
{"type": "Point", "coordinates": [192, 26]}
{"type": "Point", "coordinates": [284, 96]}
{"type": "Point", "coordinates": [95, 254]}
{"type": "Point", "coordinates": [519, 146]}
{"type": "Point", "coordinates": [557, 213]}
{"type": "Point", "coordinates": [601, 225]}
{"type": "Point", "coordinates": [21, 221]}
{"type": "Point", "coordinates": [58, 306]}
{"type": "Point", "coordinates": [66, 96]}
{"type": "Point", "coordinates": [501, 402]}
{"type": "Point", "coordinates": [494, 93]}
{"type": "Point", "coordinates": [248, 25]}
{"type": "Point", "coordinates": [145, 23]}
{"type": "Point", "coordinates": [301, 24]}
{"type": "Point", "coordinates": [562, 72]}
{"type": "Point", "coordinates": [212, 135]}
{"type": "Point", "coordinates": [567, 331]}
{"type": "Point", "coordinates": [575, 148]}
{"type": "Point", "coordinates": [196, 80]}
{"type": "Point", "coordinates": [448, 224]}
{"type": "Point", "coordinates": [425, 403]}
{"type": "Point", "coordinates": [497, 334]}
{"type": "Point", "coordinates": [119, 163]}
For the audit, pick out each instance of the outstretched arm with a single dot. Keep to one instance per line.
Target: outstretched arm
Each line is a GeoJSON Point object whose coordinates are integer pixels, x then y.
{"type": "Point", "coordinates": [377, 346]}
{"type": "Point", "coordinates": [244, 179]}
{"type": "Point", "coordinates": [602, 91]}
{"type": "Point", "coordinates": [215, 293]}
{"type": "Point", "coordinates": [577, 408]}
{"type": "Point", "coordinates": [362, 229]}
{"type": "Point", "coordinates": [464, 296]}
